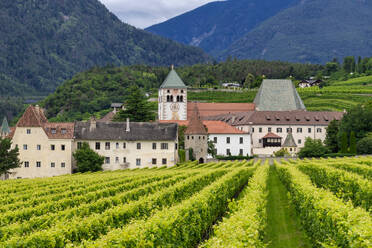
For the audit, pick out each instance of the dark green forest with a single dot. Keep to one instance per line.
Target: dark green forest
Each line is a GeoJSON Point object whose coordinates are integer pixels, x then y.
{"type": "Point", "coordinates": [94, 90]}
{"type": "Point", "coordinates": [43, 43]}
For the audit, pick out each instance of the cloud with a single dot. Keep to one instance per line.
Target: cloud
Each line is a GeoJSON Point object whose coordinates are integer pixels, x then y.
{"type": "Point", "coordinates": [144, 13]}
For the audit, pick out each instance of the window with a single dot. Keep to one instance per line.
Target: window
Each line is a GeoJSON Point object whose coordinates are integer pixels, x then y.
{"type": "Point", "coordinates": [318, 130]}
{"type": "Point", "coordinates": [299, 130]}
{"type": "Point", "coordinates": [192, 137]}
{"type": "Point", "coordinates": [168, 91]}
{"type": "Point", "coordinates": [27, 164]}
{"type": "Point", "coordinates": [176, 146]}
{"type": "Point", "coordinates": [117, 145]}
{"type": "Point", "coordinates": [38, 164]}
{"type": "Point", "coordinates": [52, 165]}
{"type": "Point", "coordinates": [269, 129]}
{"type": "Point", "coordinates": [260, 130]}
{"type": "Point", "coordinates": [138, 161]}
{"type": "Point", "coordinates": [182, 91]}
{"type": "Point", "coordinates": [28, 131]}
{"type": "Point", "coordinates": [54, 131]}
{"type": "Point", "coordinates": [279, 130]}
{"type": "Point", "coordinates": [63, 131]}
{"type": "Point", "coordinates": [107, 160]}
{"type": "Point", "coordinates": [260, 141]}
{"type": "Point", "coordinates": [199, 137]}
{"type": "Point", "coordinates": [38, 147]}
{"type": "Point", "coordinates": [53, 147]}
{"type": "Point", "coordinates": [215, 140]}
{"type": "Point", "coordinates": [252, 129]}
{"type": "Point", "coordinates": [117, 160]}
{"type": "Point", "coordinates": [138, 146]}
{"type": "Point", "coordinates": [124, 145]}
{"type": "Point", "coordinates": [309, 130]}
{"type": "Point", "coordinates": [289, 130]}
{"type": "Point", "coordinates": [164, 161]}
{"type": "Point", "coordinates": [63, 147]}
{"type": "Point", "coordinates": [299, 141]}
{"type": "Point", "coordinates": [98, 145]}
{"type": "Point", "coordinates": [124, 160]}
{"type": "Point", "coordinates": [228, 152]}
{"type": "Point", "coordinates": [154, 161]}
{"type": "Point", "coordinates": [107, 145]}
{"type": "Point", "coordinates": [188, 137]}
{"type": "Point", "coordinates": [63, 165]}
{"type": "Point", "coordinates": [228, 140]}
{"type": "Point", "coordinates": [241, 140]}
{"type": "Point", "coordinates": [24, 147]}
{"type": "Point", "coordinates": [153, 146]}
{"type": "Point", "coordinates": [79, 145]}
{"type": "Point", "coordinates": [164, 146]}
{"type": "Point", "coordinates": [241, 152]}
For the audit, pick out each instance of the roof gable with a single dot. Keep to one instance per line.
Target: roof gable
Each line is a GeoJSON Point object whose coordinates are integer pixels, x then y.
{"type": "Point", "coordinates": [195, 125]}
{"type": "Point", "coordinates": [278, 95]}
{"type": "Point", "coordinates": [173, 81]}
{"type": "Point", "coordinates": [32, 117]}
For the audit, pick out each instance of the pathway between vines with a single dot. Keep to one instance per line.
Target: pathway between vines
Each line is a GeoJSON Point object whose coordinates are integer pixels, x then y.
{"type": "Point", "coordinates": [284, 228]}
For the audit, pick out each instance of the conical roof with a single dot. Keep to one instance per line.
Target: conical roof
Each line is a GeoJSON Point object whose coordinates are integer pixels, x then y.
{"type": "Point", "coordinates": [173, 81]}
{"type": "Point", "coordinates": [289, 141]}
{"type": "Point", "coordinates": [196, 125]}
{"type": "Point", "coordinates": [5, 130]}
{"type": "Point", "coordinates": [278, 95]}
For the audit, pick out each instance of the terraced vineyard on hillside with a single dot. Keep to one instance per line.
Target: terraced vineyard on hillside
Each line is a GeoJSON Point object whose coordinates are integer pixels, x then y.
{"type": "Point", "coordinates": [224, 204]}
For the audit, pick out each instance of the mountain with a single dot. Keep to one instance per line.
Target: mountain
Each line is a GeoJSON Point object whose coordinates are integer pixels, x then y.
{"type": "Point", "coordinates": [314, 31]}
{"type": "Point", "coordinates": [45, 42]}
{"type": "Point", "coordinates": [215, 26]}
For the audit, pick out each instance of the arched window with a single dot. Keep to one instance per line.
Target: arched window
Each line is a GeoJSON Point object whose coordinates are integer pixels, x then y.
{"type": "Point", "coordinates": [171, 98]}
{"type": "Point", "coordinates": [168, 98]}
{"type": "Point", "coordinates": [178, 98]}
{"type": "Point", "coordinates": [181, 98]}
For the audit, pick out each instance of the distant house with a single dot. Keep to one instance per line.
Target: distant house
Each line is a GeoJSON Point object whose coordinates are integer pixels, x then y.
{"type": "Point", "coordinates": [231, 85]}
{"type": "Point", "coordinates": [309, 83]}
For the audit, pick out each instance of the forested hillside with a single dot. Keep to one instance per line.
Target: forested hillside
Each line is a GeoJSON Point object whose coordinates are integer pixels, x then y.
{"type": "Point", "coordinates": [94, 90]}
{"type": "Point", "coordinates": [314, 31]}
{"type": "Point", "coordinates": [43, 43]}
{"type": "Point", "coordinates": [215, 26]}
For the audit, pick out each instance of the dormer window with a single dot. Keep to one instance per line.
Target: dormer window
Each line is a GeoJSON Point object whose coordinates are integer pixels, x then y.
{"type": "Point", "coordinates": [63, 131]}
{"type": "Point", "coordinates": [54, 130]}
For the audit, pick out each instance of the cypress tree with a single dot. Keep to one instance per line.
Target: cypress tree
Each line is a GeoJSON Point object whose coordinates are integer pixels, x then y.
{"type": "Point", "coordinates": [344, 142]}
{"type": "Point", "coordinates": [353, 147]}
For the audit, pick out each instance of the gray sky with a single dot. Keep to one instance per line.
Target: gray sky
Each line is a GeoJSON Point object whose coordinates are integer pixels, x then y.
{"type": "Point", "coordinates": [144, 13]}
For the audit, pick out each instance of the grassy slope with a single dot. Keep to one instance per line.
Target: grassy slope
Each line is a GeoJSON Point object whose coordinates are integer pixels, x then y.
{"type": "Point", "coordinates": [336, 97]}
{"type": "Point", "coordinates": [283, 226]}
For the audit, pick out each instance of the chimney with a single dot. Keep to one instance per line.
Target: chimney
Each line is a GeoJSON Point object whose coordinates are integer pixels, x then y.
{"type": "Point", "coordinates": [37, 108]}
{"type": "Point", "coordinates": [128, 127]}
{"type": "Point", "coordinates": [92, 124]}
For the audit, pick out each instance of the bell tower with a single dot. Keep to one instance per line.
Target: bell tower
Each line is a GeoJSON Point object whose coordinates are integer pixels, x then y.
{"type": "Point", "coordinates": [172, 98]}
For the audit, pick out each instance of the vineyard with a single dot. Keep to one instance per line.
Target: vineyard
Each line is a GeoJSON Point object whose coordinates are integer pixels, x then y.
{"type": "Point", "coordinates": [308, 203]}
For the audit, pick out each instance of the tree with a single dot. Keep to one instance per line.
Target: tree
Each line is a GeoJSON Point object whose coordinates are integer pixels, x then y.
{"type": "Point", "coordinates": [344, 143]}
{"type": "Point", "coordinates": [349, 64]}
{"type": "Point", "coordinates": [282, 153]}
{"type": "Point", "coordinates": [331, 140]}
{"type": "Point", "coordinates": [181, 136]}
{"type": "Point", "coordinates": [211, 149]}
{"type": "Point", "coordinates": [353, 147]}
{"type": "Point", "coordinates": [249, 81]}
{"type": "Point", "coordinates": [313, 149]}
{"type": "Point", "coordinates": [9, 158]}
{"type": "Point", "coordinates": [87, 159]}
{"type": "Point", "coordinates": [364, 146]}
{"type": "Point", "coordinates": [137, 108]}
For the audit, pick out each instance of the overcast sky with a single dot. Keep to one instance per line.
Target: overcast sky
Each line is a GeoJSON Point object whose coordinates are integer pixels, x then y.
{"type": "Point", "coordinates": [144, 13]}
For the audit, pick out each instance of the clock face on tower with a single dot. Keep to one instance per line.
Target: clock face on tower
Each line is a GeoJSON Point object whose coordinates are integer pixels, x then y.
{"type": "Point", "coordinates": [175, 107]}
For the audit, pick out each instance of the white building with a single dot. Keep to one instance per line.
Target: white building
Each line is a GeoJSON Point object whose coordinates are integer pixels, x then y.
{"type": "Point", "coordinates": [228, 141]}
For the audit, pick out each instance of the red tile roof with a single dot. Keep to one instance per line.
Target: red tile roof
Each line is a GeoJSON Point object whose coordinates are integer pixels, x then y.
{"type": "Point", "coordinates": [271, 136]}
{"type": "Point", "coordinates": [213, 109]}
{"type": "Point", "coordinates": [213, 127]}
{"type": "Point", "coordinates": [220, 127]}
{"type": "Point", "coordinates": [34, 117]}
{"type": "Point", "coordinates": [11, 134]}
{"type": "Point", "coordinates": [108, 117]}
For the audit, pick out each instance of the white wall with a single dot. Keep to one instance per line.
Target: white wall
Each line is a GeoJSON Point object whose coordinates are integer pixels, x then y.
{"type": "Point", "coordinates": [131, 153]}
{"type": "Point", "coordinates": [234, 145]}
{"type": "Point", "coordinates": [172, 110]}
{"type": "Point", "coordinates": [45, 155]}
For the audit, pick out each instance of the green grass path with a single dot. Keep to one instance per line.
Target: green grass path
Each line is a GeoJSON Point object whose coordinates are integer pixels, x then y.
{"type": "Point", "coordinates": [283, 228]}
